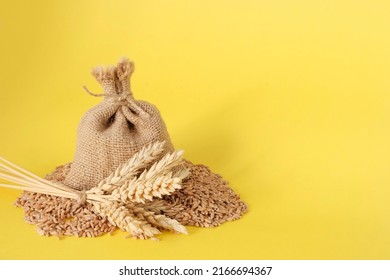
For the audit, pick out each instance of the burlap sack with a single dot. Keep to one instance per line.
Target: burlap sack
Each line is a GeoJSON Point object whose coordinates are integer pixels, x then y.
{"type": "Point", "coordinates": [111, 132]}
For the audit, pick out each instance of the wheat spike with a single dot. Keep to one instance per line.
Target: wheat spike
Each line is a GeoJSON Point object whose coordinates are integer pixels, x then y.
{"type": "Point", "coordinates": [130, 168]}
{"type": "Point", "coordinates": [157, 206]}
{"type": "Point", "coordinates": [159, 220]}
{"type": "Point", "coordinates": [170, 224]}
{"type": "Point", "coordinates": [140, 191]}
{"type": "Point", "coordinates": [120, 216]}
{"type": "Point", "coordinates": [154, 182]}
{"type": "Point", "coordinates": [144, 214]}
{"type": "Point", "coordinates": [162, 166]}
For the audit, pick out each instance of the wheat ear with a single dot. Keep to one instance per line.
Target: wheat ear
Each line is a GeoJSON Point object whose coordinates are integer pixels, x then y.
{"type": "Point", "coordinates": [140, 191]}
{"type": "Point", "coordinates": [155, 182]}
{"type": "Point", "coordinates": [120, 216]}
{"type": "Point", "coordinates": [158, 220]}
{"type": "Point", "coordinates": [129, 169]}
{"type": "Point", "coordinates": [163, 166]}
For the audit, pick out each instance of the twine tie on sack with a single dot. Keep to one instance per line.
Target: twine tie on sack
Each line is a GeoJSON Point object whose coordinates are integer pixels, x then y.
{"type": "Point", "coordinates": [125, 98]}
{"type": "Point", "coordinates": [115, 81]}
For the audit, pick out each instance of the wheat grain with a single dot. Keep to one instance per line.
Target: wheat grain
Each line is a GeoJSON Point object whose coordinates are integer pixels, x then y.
{"type": "Point", "coordinates": [53, 215]}
{"type": "Point", "coordinates": [205, 200]}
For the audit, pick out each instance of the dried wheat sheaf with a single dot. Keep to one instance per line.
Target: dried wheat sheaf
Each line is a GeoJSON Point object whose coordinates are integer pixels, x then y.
{"type": "Point", "coordinates": [119, 197]}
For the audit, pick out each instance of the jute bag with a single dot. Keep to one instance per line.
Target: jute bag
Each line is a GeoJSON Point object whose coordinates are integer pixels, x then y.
{"type": "Point", "coordinates": [114, 130]}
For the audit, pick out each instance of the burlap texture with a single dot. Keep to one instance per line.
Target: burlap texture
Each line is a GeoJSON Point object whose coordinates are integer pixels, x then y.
{"type": "Point", "coordinates": [114, 130]}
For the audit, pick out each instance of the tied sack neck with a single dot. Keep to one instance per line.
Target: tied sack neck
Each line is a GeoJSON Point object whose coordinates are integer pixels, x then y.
{"type": "Point", "coordinates": [115, 82]}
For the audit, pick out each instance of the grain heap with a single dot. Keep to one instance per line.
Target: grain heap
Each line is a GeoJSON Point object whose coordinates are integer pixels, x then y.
{"type": "Point", "coordinates": [205, 200]}
{"type": "Point", "coordinates": [127, 170]}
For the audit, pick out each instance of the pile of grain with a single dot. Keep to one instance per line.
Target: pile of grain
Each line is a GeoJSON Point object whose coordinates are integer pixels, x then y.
{"type": "Point", "coordinates": [60, 216]}
{"type": "Point", "coordinates": [205, 200]}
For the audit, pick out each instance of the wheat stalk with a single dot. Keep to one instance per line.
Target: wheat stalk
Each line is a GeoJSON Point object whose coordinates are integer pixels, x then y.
{"type": "Point", "coordinates": [27, 181]}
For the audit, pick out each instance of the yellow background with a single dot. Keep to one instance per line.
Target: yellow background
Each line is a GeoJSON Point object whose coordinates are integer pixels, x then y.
{"type": "Point", "coordinates": [288, 100]}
